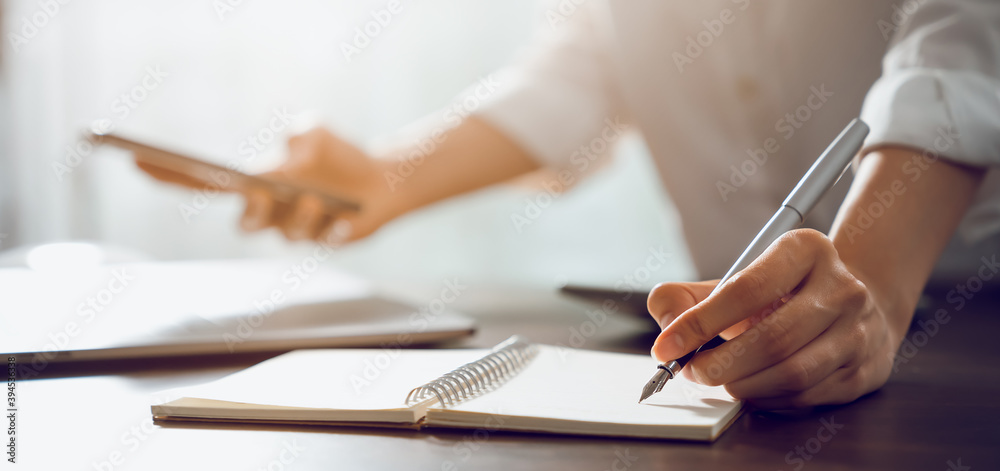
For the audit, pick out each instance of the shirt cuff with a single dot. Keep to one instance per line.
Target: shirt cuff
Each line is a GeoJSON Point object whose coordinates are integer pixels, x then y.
{"type": "Point", "coordinates": [951, 113]}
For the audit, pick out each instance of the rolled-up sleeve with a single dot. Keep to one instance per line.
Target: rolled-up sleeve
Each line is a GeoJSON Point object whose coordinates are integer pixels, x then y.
{"type": "Point", "coordinates": [560, 94]}
{"type": "Point", "coordinates": [940, 87]}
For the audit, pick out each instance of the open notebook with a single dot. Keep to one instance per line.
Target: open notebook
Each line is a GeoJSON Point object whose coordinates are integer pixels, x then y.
{"type": "Point", "coordinates": [516, 386]}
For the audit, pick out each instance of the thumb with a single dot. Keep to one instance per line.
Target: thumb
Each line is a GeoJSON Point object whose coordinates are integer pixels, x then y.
{"type": "Point", "coordinates": [170, 176]}
{"type": "Point", "coordinates": [348, 226]}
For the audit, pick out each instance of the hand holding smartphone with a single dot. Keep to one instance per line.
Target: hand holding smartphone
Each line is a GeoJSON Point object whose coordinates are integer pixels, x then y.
{"type": "Point", "coordinates": [222, 178]}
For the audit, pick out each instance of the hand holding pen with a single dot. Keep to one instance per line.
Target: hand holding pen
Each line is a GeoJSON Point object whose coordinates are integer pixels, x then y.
{"type": "Point", "coordinates": [792, 311]}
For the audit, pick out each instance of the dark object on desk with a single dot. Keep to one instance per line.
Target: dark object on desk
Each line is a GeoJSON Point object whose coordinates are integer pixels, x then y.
{"type": "Point", "coordinates": [628, 301]}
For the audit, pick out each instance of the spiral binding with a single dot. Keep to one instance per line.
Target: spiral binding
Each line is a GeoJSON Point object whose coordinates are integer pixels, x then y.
{"type": "Point", "coordinates": [472, 379]}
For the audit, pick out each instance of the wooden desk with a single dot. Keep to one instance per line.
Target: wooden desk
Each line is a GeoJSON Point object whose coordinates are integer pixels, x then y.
{"type": "Point", "coordinates": [939, 412]}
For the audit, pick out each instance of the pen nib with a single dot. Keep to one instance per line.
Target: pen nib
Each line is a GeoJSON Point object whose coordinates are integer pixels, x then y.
{"type": "Point", "coordinates": [655, 383]}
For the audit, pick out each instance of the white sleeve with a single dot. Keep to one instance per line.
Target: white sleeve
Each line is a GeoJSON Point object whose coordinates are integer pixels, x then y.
{"type": "Point", "coordinates": [560, 94]}
{"type": "Point", "coordinates": [940, 84]}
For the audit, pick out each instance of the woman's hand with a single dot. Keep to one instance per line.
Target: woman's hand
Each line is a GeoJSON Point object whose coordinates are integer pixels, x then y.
{"type": "Point", "coordinates": [802, 330]}
{"type": "Point", "coordinates": [818, 321]}
{"type": "Point", "coordinates": [323, 161]}
{"type": "Point", "coordinates": [469, 156]}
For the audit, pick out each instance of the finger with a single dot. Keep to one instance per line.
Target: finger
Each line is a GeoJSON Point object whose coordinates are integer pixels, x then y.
{"type": "Point", "coordinates": [800, 371]}
{"type": "Point", "coordinates": [304, 219]}
{"type": "Point", "coordinates": [326, 220]}
{"type": "Point", "coordinates": [258, 212]}
{"type": "Point", "coordinates": [170, 176]}
{"type": "Point", "coordinates": [668, 300]}
{"type": "Point", "coordinates": [777, 272]}
{"type": "Point", "coordinates": [777, 336]}
{"type": "Point", "coordinates": [337, 233]}
{"type": "Point", "coordinates": [842, 386]}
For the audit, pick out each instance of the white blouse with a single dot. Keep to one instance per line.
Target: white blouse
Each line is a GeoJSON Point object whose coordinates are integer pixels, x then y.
{"type": "Point", "coordinates": [736, 98]}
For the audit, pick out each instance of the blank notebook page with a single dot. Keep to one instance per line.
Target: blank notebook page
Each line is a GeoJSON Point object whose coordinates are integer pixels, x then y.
{"type": "Point", "coordinates": [335, 379]}
{"type": "Point", "coordinates": [599, 387]}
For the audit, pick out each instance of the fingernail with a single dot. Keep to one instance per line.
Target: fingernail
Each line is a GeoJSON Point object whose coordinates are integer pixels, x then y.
{"type": "Point", "coordinates": [251, 222]}
{"type": "Point", "coordinates": [255, 219]}
{"type": "Point", "coordinates": [339, 232]}
{"type": "Point", "coordinates": [671, 347]}
{"type": "Point", "coordinates": [297, 229]}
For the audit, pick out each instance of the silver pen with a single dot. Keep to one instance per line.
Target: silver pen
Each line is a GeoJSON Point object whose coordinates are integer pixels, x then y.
{"type": "Point", "coordinates": [823, 174]}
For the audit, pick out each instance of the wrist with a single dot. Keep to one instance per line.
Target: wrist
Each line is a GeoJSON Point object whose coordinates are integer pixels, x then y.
{"type": "Point", "coordinates": [895, 301]}
{"type": "Point", "coordinates": [388, 189]}
{"type": "Point", "coordinates": [893, 225]}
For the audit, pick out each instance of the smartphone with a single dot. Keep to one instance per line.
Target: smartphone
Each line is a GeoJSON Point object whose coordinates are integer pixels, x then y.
{"type": "Point", "coordinates": [223, 178]}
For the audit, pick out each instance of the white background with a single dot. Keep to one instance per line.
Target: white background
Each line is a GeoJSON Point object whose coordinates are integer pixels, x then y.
{"type": "Point", "coordinates": [224, 77]}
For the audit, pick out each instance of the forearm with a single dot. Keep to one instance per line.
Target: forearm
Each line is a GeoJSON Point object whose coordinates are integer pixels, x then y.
{"type": "Point", "coordinates": [897, 218]}
{"type": "Point", "coordinates": [467, 157]}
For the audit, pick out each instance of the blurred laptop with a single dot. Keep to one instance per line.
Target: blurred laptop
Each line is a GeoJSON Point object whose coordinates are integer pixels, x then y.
{"type": "Point", "coordinates": [175, 309]}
